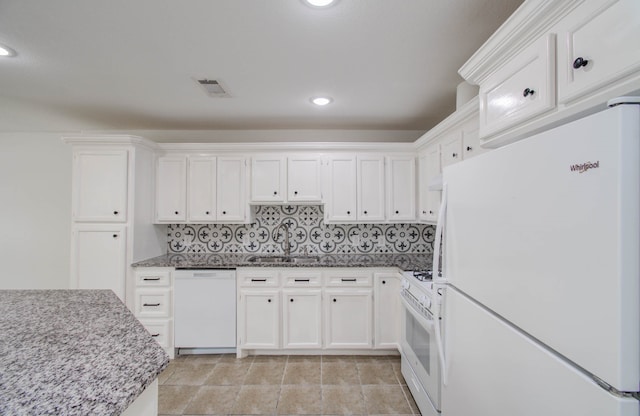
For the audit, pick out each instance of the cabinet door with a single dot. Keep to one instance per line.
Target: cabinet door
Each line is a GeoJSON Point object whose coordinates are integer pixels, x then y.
{"type": "Point", "coordinates": [370, 188]}
{"type": "Point", "coordinates": [100, 185]}
{"type": "Point", "coordinates": [451, 149]}
{"type": "Point", "coordinates": [302, 318]}
{"type": "Point", "coordinates": [268, 180]}
{"type": "Point", "coordinates": [601, 37]}
{"type": "Point", "coordinates": [98, 257]}
{"type": "Point", "coordinates": [520, 90]}
{"type": "Point", "coordinates": [231, 203]}
{"type": "Point", "coordinates": [202, 189]}
{"type": "Point", "coordinates": [259, 324]}
{"type": "Point", "coordinates": [387, 310]}
{"type": "Point", "coordinates": [341, 201]}
{"type": "Point", "coordinates": [171, 189]}
{"type": "Point", "coordinates": [348, 318]}
{"type": "Point", "coordinates": [303, 179]}
{"type": "Point", "coordinates": [471, 140]}
{"type": "Point", "coordinates": [433, 197]}
{"type": "Point", "coordinates": [401, 179]}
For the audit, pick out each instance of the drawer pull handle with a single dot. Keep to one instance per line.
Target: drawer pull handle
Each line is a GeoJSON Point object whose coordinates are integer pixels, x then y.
{"type": "Point", "coordinates": [301, 280]}
{"type": "Point", "coordinates": [151, 279]}
{"type": "Point", "coordinates": [258, 280]}
{"type": "Point", "coordinates": [527, 92]}
{"type": "Point", "coordinates": [348, 280]}
{"type": "Point", "coordinates": [580, 62]}
{"type": "Point", "coordinates": [150, 304]}
{"type": "Point", "coordinates": [155, 335]}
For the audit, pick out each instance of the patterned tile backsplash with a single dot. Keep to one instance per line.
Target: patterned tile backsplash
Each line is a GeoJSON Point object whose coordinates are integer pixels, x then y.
{"type": "Point", "coordinates": [307, 233]}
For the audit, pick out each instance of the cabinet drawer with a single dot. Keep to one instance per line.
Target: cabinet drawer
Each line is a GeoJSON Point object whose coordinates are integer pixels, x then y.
{"type": "Point", "coordinates": [520, 90]}
{"type": "Point", "coordinates": [153, 278]}
{"type": "Point", "coordinates": [160, 330]}
{"type": "Point", "coordinates": [601, 38]}
{"type": "Point", "coordinates": [154, 303]}
{"type": "Point", "coordinates": [348, 278]}
{"type": "Point", "coordinates": [258, 278]}
{"type": "Point", "coordinates": [301, 278]}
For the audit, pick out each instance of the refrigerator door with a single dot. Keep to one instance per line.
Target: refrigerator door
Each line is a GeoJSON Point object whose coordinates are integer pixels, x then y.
{"type": "Point", "coordinates": [545, 232]}
{"type": "Point", "coordinates": [496, 370]}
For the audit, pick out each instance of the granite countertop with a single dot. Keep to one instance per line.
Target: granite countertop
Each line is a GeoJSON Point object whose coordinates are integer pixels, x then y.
{"type": "Point", "coordinates": [72, 352]}
{"type": "Point", "coordinates": [404, 261]}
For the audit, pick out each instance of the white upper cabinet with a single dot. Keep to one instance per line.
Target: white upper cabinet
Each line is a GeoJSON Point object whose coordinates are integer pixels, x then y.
{"type": "Point", "coordinates": [231, 189]}
{"type": "Point", "coordinates": [401, 188]}
{"type": "Point", "coordinates": [171, 189]}
{"type": "Point", "coordinates": [202, 189]}
{"type": "Point", "coordinates": [521, 89]}
{"type": "Point", "coordinates": [597, 43]}
{"type": "Point", "coordinates": [429, 165]}
{"type": "Point", "coordinates": [370, 188]}
{"type": "Point", "coordinates": [100, 185]}
{"type": "Point", "coordinates": [451, 149]}
{"type": "Point", "coordinates": [303, 178]}
{"type": "Point", "coordinates": [342, 201]}
{"type": "Point", "coordinates": [268, 178]}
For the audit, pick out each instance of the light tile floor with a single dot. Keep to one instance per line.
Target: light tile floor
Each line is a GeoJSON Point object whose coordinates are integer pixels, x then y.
{"type": "Point", "coordinates": [284, 385]}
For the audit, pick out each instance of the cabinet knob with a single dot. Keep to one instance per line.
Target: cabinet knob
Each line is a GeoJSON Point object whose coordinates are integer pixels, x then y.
{"type": "Point", "coordinates": [348, 212]}
{"type": "Point", "coordinates": [580, 62]}
{"type": "Point", "coordinates": [269, 300]}
{"type": "Point", "coordinates": [469, 148]}
{"type": "Point", "coordinates": [115, 236]}
{"type": "Point", "coordinates": [430, 212]}
{"type": "Point", "coordinates": [176, 212]}
{"type": "Point", "coordinates": [275, 192]}
{"type": "Point", "coordinates": [384, 282]}
{"type": "Point", "coordinates": [365, 213]}
{"type": "Point", "coordinates": [295, 192]}
{"type": "Point", "coordinates": [335, 300]}
{"type": "Point", "coordinates": [115, 212]}
{"type": "Point", "coordinates": [454, 155]}
{"type": "Point", "coordinates": [424, 212]}
{"type": "Point", "coordinates": [224, 212]}
{"type": "Point", "coordinates": [527, 92]}
{"type": "Point", "coordinates": [397, 212]}
{"type": "Point", "coordinates": [206, 212]}
{"type": "Point", "coordinates": [291, 300]}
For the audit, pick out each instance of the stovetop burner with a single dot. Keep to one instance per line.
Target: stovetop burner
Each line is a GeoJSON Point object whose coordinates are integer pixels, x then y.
{"type": "Point", "coordinates": [423, 275]}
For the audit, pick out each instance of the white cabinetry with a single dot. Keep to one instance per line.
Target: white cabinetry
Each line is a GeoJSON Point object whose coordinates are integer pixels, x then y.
{"type": "Point", "coordinates": [259, 316]}
{"type": "Point", "coordinates": [302, 318]}
{"type": "Point", "coordinates": [370, 188]}
{"type": "Point", "coordinates": [597, 44]}
{"type": "Point", "coordinates": [387, 309]}
{"type": "Point", "coordinates": [348, 318]}
{"type": "Point", "coordinates": [201, 189]}
{"type": "Point", "coordinates": [100, 179]}
{"type": "Point", "coordinates": [429, 170]}
{"type": "Point", "coordinates": [171, 189]}
{"type": "Point", "coordinates": [268, 179]}
{"type": "Point", "coordinates": [153, 304]}
{"type": "Point", "coordinates": [451, 149]}
{"type": "Point", "coordinates": [303, 178]}
{"type": "Point", "coordinates": [523, 88]}
{"type": "Point", "coordinates": [98, 259]}
{"type": "Point", "coordinates": [401, 186]}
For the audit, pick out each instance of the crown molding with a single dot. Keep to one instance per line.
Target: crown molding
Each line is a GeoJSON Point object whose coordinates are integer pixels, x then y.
{"type": "Point", "coordinates": [457, 118]}
{"type": "Point", "coordinates": [285, 147]}
{"type": "Point", "coordinates": [530, 21]}
{"type": "Point", "coordinates": [108, 140]}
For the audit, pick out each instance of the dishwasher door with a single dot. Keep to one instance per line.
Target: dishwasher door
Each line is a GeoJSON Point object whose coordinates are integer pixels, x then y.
{"type": "Point", "coordinates": [205, 309]}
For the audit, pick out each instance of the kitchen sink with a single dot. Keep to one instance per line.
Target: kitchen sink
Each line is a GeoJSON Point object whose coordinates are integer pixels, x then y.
{"type": "Point", "coordinates": [284, 259]}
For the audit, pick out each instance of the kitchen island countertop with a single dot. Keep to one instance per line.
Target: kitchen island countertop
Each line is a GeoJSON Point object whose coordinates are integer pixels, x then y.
{"type": "Point", "coordinates": [403, 261]}
{"type": "Point", "coordinates": [72, 352]}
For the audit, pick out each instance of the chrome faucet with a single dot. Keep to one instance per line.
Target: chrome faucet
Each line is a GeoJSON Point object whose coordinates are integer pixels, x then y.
{"type": "Point", "coordinates": [287, 247]}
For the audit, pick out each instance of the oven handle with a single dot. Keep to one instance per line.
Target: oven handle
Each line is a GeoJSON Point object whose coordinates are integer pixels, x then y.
{"type": "Point", "coordinates": [425, 322]}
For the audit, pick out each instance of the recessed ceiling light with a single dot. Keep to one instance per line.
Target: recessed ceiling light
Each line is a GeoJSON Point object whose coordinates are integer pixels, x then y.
{"type": "Point", "coordinates": [319, 3]}
{"type": "Point", "coordinates": [6, 51]}
{"type": "Point", "coordinates": [321, 101]}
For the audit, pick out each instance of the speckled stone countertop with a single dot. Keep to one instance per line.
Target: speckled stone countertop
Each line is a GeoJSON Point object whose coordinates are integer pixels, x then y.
{"type": "Point", "coordinates": [405, 261]}
{"type": "Point", "coordinates": [72, 352]}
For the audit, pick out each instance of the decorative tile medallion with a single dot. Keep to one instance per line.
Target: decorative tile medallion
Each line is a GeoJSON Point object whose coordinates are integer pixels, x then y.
{"type": "Point", "coordinates": [307, 232]}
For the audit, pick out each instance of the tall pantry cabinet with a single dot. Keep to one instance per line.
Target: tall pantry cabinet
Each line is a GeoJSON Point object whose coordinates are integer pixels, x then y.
{"type": "Point", "coordinates": [112, 212]}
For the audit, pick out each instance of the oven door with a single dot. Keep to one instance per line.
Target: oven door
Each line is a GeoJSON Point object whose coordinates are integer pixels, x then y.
{"type": "Point", "coordinates": [419, 347]}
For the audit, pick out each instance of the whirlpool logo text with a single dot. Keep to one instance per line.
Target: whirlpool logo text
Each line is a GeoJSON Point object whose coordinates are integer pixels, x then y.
{"type": "Point", "coordinates": [583, 167]}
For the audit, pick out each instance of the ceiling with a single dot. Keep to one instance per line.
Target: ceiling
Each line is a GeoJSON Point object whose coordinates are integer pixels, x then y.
{"type": "Point", "coordinates": [130, 66]}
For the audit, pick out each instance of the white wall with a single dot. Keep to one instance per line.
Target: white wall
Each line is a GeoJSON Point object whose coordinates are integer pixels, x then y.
{"type": "Point", "coordinates": [35, 202]}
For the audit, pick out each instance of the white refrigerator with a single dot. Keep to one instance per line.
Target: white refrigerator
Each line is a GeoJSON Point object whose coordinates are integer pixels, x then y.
{"type": "Point", "coordinates": [541, 311]}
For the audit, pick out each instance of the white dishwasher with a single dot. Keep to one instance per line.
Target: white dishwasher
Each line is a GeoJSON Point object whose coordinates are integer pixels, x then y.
{"type": "Point", "coordinates": [205, 310]}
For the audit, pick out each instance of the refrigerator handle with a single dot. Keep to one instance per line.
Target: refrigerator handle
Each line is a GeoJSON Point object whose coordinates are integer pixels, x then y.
{"type": "Point", "coordinates": [437, 276]}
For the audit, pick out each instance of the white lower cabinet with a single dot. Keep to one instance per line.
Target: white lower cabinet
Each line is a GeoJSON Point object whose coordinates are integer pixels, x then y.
{"type": "Point", "coordinates": [302, 318]}
{"type": "Point", "coordinates": [259, 319]}
{"type": "Point", "coordinates": [317, 308]}
{"type": "Point", "coordinates": [153, 304]}
{"type": "Point", "coordinates": [349, 317]}
{"type": "Point", "coordinates": [387, 309]}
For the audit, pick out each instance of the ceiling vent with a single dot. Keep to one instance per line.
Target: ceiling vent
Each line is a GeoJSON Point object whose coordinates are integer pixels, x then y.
{"type": "Point", "coordinates": [213, 88]}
